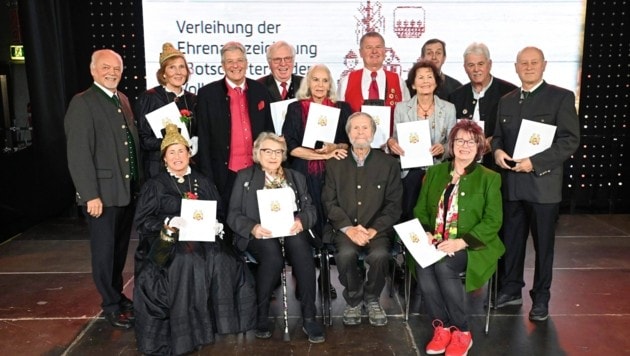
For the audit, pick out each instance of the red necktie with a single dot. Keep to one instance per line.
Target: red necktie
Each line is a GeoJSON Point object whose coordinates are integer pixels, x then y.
{"type": "Point", "coordinates": [373, 93]}
{"type": "Point", "coordinates": [284, 90]}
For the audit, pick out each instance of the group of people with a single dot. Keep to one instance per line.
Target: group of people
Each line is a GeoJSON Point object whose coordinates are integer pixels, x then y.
{"type": "Point", "coordinates": [475, 202]}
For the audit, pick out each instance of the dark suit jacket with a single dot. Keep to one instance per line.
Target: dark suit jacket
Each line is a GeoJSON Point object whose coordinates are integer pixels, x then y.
{"type": "Point", "coordinates": [368, 195]}
{"type": "Point", "coordinates": [449, 84]}
{"type": "Point", "coordinates": [270, 84]}
{"type": "Point", "coordinates": [97, 154]}
{"type": "Point", "coordinates": [551, 105]}
{"type": "Point", "coordinates": [465, 103]}
{"type": "Point", "coordinates": [214, 126]}
{"type": "Point", "coordinates": [243, 212]}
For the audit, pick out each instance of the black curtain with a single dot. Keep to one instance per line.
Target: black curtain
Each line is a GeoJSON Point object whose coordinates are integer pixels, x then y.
{"type": "Point", "coordinates": [51, 66]}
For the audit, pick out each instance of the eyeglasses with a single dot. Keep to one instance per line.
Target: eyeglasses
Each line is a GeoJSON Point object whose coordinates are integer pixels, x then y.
{"type": "Point", "coordinates": [462, 142]}
{"type": "Point", "coordinates": [279, 60]}
{"type": "Point", "coordinates": [269, 152]}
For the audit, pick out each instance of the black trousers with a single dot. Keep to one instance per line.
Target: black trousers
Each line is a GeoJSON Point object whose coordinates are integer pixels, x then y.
{"type": "Point", "coordinates": [519, 217]}
{"type": "Point", "coordinates": [109, 242]}
{"type": "Point", "coordinates": [268, 254]}
{"type": "Point", "coordinates": [377, 255]}
{"type": "Point", "coordinates": [443, 292]}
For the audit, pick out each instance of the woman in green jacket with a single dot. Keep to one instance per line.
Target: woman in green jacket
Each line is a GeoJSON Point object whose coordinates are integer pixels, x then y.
{"type": "Point", "coordinates": [460, 208]}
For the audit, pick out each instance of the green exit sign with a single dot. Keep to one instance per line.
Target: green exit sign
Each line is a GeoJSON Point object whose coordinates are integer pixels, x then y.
{"type": "Point", "coordinates": [17, 53]}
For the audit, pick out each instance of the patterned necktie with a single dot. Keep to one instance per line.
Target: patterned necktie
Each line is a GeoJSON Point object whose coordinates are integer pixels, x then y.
{"type": "Point", "coordinates": [373, 93]}
{"type": "Point", "coordinates": [284, 90]}
{"type": "Point", "coordinates": [239, 90]}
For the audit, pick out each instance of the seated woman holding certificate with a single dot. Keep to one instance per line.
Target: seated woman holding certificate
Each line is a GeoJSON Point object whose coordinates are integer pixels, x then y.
{"type": "Point", "coordinates": [244, 218]}
{"type": "Point", "coordinates": [318, 87]}
{"type": "Point", "coordinates": [185, 291]}
{"type": "Point", "coordinates": [172, 76]}
{"type": "Point", "coordinates": [460, 208]}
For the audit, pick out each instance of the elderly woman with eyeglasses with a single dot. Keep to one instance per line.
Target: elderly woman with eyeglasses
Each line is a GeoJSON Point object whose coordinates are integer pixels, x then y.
{"type": "Point", "coordinates": [243, 218]}
{"type": "Point", "coordinates": [460, 208]}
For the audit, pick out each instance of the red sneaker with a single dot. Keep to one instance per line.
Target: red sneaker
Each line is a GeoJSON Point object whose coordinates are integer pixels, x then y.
{"type": "Point", "coordinates": [441, 338]}
{"type": "Point", "coordinates": [461, 342]}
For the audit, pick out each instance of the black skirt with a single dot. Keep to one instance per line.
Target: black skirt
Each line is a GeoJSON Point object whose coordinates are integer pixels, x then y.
{"type": "Point", "coordinates": [206, 289]}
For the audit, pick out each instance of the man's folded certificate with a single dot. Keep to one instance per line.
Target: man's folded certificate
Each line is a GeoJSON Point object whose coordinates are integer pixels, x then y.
{"type": "Point", "coordinates": [533, 137]}
{"type": "Point", "coordinates": [278, 113]}
{"type": "Point", "coordinates": [276, 208]}
{"type": "Point", "coordinates": [415, 239]}
{"type": "Point", "coordinates": [199, 217]}
{"type": "Point", "coordinates": [415, 139]}
{"type": "Point", "coordinates": [381, 115]}
{"type": "Point", "coordinates": [168, 113]}
{"type": "Point", "coordinates": [321, 124]}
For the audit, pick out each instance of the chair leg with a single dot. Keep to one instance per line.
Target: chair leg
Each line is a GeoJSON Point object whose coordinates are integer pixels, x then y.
{"type": "Point", "coordinates": [324, 274]}
{"type": "Point", "coordinates": [492, 289]}
{"type": "Point", "coordinates": [407, 289]}
{"type": "Point", "coordinates": [495, 290]}
{"type": "Point", "coordinates": [393, 278]}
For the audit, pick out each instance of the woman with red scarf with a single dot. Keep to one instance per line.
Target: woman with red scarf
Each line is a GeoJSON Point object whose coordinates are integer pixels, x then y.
{"type": "Point", "coordinates": [318, 87]}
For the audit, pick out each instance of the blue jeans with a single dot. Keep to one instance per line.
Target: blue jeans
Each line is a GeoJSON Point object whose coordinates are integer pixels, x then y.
{"type": "Point", "coordinates": [443, 291]}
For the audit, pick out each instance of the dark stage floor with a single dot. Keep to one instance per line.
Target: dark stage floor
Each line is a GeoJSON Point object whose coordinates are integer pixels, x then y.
{"type": "Point", "coordinates": [49, 306]}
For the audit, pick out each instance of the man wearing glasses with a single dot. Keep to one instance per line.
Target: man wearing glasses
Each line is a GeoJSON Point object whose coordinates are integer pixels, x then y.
{"type": "Point", "coordinates": [231, 113]}
{"type": "Point", "coordinates": [281, 83]}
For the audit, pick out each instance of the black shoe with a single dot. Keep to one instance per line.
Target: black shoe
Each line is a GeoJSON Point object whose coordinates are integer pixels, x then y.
{"type": "Point", "coordinates": [506, 299]}
{"type": "Point", "coordinates": [126, 308]}
{"type": "Point", "coordinates": [539, 312]}
{"type": "Point", "coordinates": [313, 330]}
{"type": "Point", "coordinates": [262, 333]}
{"type": "Point", "coordinates": [118, 320]}
{"type": "Point", "coordinates": [125, 304]}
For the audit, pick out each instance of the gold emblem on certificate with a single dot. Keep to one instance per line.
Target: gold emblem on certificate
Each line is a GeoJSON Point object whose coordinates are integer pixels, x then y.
{"type": "Point", "coordinates": [322, 121]}
{"type": "Point", "coordinates": [414, 137]}
{"type": "Point", "coordinates": [535, 139]}
{"type": "Point", "coordinates": [377, 120]}
{"type": "Point", "coordinates": [275, 206]}
{"type": "Point", "coordinates": [198, 215]}
{"type": "Point", "coordinates": [414, 237]}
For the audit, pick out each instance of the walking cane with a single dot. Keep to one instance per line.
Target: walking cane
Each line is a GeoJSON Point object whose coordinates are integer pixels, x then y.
{"type": "Point", "coordinates": [285, 306]}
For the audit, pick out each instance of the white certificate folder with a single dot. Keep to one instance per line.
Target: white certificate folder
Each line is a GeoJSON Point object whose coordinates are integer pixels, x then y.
{"type": "Point", "coordinates": [321, 124]}
{"type": "Point", "coordinates": [533, 138]}
{"type": "Point", "coordinates": [382, 117]}
{"type": "Point", "coordinates": [279, 113]}
{"type": "Point", "coordinates": [168, 113]}
{"type": "Point", "coordinates": [415, 139]}
{"type": "Point", "coordinates": [199, 217]}
{"type": "Point", "coordinates": [276, 207]}
{"type": "Point", "coordinates": [415, 239]}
